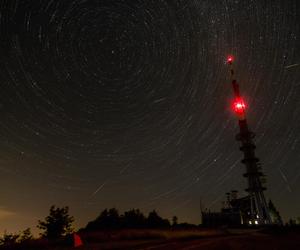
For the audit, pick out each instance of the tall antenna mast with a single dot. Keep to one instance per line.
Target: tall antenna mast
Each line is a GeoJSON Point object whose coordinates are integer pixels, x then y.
{"type": "Point", "coordinates": [259, 212]}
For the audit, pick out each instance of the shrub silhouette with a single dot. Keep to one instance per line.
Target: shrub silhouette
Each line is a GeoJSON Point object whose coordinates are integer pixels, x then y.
{"type": "Point", "coordinates": [9, 239]}
{"type": "Point", "coordinates": [57, 224]}
{"type": "Point", "coordinates": [25, 236]}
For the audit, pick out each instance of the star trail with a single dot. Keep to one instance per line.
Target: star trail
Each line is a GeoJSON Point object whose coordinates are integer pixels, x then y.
{"type": "Point", "coordinates": [127, 104]}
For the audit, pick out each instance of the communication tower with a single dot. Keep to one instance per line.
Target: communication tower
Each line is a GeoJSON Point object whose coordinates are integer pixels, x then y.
{"type": "Point", "coordinates": [259, 212]}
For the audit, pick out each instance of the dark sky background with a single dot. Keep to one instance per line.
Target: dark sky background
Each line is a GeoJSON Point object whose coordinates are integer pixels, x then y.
{"type": "Point", "coordinates": [110, 103]}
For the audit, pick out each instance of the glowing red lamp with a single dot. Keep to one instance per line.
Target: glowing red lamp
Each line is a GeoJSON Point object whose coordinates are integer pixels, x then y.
{"type": "Point", "coordinates": [230, 59]}
{"type": "Point", "coordinates": [239, 106]}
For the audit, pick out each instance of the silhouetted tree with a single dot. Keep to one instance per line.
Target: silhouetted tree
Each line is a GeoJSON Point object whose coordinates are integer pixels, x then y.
{"type": "Point", "coordinates": [155, 221]}
{"type": "Point", "coordinates": [57, 224]}
{"type": "Point", "coordinates": [133, 219]}
{"type": "Point", "coordinates": [174, 221]}
{"type": "Point", "coordinates": [108, 219]}
{"type": "Point", "coordinates": [113, 218]}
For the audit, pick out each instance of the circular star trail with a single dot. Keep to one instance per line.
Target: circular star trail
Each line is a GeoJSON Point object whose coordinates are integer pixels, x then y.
{"type": "Point", "coordinates": [127, 104]}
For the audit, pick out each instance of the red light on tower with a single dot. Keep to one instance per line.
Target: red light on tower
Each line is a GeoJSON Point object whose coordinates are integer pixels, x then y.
{"type": "Point", "coordinates": [239, 106]}
{"type": "Point", "coordinates": [230, 59]}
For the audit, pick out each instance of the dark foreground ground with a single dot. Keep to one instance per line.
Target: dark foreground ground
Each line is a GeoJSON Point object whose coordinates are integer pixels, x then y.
{"type": "Point", "coordinates": [208, 239]}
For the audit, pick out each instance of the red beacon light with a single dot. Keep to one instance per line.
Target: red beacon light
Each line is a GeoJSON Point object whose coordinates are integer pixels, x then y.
{"type": "Point", "coordinates": [239, 106]}
{"type": "Point", "coordinates": [230, 59]}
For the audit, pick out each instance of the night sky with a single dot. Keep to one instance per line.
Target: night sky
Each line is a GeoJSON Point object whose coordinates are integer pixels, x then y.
{"type": "Point", "coordinates": [127, 104]}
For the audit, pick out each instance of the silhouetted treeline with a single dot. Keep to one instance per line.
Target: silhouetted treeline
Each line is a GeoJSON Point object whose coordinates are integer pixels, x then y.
{"type": "Point", "coordinates": [134, 218]}
{"type": "Point", "coordinates": [57, 229]}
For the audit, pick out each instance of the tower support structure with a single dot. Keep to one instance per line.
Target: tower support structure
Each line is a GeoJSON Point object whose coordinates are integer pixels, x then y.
{"type": "Point", "coordinates": [259, 212]}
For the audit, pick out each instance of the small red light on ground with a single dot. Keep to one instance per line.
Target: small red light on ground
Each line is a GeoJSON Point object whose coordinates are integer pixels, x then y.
{"type": "Point", "coordinates": [239, 106]}
{"type": "Point", "coordinates": [77, 240]}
